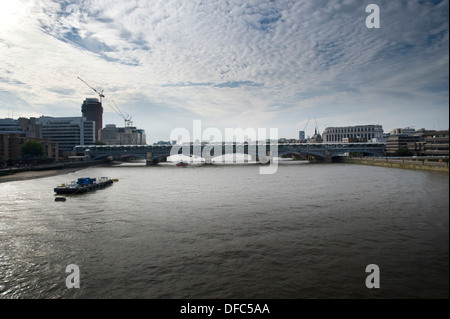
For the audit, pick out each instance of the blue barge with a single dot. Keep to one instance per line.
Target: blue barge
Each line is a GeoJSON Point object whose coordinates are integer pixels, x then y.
{"type": "Point", "coordinates": [83, 185]}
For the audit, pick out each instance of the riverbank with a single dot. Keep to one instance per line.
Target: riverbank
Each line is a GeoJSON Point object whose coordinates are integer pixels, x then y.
{"type": "Point", "coordinates": [24, 173]}
{"type": "Point", "coordinates": [424, 165]}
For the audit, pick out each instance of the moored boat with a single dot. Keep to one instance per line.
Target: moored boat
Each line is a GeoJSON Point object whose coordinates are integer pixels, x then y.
{"type": "Point", "coordinates": [83, 185]}
{"type": "Point", "coordinates": [182, 164]}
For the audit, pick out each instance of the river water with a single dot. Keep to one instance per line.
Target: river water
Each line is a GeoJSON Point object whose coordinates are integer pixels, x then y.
{"type": "Point", "coordinates": [225, 231]}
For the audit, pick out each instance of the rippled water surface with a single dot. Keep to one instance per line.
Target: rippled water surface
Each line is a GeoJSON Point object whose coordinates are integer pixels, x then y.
{"type": "Point", "coordinates": [308, 231]}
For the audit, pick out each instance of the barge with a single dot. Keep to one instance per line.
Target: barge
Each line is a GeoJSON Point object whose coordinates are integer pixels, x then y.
{"type": "Point", "coordinates": [83, 185]}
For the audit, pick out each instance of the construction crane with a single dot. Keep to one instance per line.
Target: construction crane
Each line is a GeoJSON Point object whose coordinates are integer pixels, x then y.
{"type": "Point", "coordinates": [306, 124]}
{"type": "Point", "coordinates": [317, 127]}
{"type": "Point", "coordinates": [116, 109]}
{"type": "Point", "coordinates": [127, 118]}
{"type": "Point", "coordinates": [100, 94]}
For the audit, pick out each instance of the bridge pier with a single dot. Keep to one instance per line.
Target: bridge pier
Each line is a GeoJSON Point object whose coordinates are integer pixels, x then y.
{"type": "Point", "coordinates": [269, 157]}
{"type": "Point", "coordinates": [208, 158]}
{"type": "Point", "coordinates": [328, 158]}
{"type": "Point", "coordinates": [254, 158]}
{"type": "Point", "coordinates": [262, 159]}
{"type": "Point", "coordinates": [149, 159]}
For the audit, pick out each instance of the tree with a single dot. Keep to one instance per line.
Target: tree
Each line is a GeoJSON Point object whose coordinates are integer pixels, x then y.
{"type": "Point", "coordinates": [403, 151]}
{"type": "Point", "coordinates": [100, 143]}
{"type": "Point", "coordinates": [32, 149]}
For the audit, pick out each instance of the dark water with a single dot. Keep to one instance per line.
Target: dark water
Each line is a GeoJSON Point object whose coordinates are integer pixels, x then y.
{"type": "Point", "coordinates": [309, 231]}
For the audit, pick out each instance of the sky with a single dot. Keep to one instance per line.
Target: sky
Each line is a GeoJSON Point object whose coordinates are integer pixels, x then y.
{"type": "Point", "coordinates": [290, 65]}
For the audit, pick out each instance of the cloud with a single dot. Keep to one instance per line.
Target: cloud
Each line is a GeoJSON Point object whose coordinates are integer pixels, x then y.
{"type": "Point", "coordinates": [235, 62]}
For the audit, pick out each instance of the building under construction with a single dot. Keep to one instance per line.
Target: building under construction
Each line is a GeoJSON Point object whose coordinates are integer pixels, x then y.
{"type": "Point", "coordinates": [92, 110]}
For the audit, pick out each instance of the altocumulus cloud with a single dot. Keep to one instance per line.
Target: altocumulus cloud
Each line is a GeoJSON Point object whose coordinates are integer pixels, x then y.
{"type": "Point", "coordinates": [247, 63]}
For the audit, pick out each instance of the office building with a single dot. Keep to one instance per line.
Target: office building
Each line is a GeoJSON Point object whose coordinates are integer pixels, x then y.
{"type": "Point", "coordinates": [410, 141]}
{"type": "Point", "coordinates": [360, 133]}
{"type": "Point", "coordinates": [68, 132]}
{"type": "Point", "coordinates": [436, 143]}
{"type": "Point", "coordinates": [112, 135]}
{"type": "Point", "coordinates": [10, 126]}
{"type": "Point", "coordinates": [408, 138]}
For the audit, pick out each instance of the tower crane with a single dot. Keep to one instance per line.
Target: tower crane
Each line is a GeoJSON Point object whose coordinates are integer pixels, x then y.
{"type": "Point", "coordinates": [100, 94]}
{"type": "Point", "coordinates": [317, 127]}
{"type": "Point", "coordinates": [306, 124]}
{"type": "Point", "coordinates": [127, 118]}
{"type": "Point", "coordinates": [116, 109]}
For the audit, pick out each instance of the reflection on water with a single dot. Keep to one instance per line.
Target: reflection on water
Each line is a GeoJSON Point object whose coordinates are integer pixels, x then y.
{"type": "Point", "coordinates": [224, 231]}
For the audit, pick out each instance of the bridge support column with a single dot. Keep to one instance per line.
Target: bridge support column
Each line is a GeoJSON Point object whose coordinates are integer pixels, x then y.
{"type": "Point", "coordinates": [254, 158]}
{"type": "Point", "coordinates": [149, 159]}
{"type": "Point", "coordinates": [208, 159]}
{"type": "Point", "coordinates": [328, 158]}
{"type": "Point", "coordinates": [266, 159]}
{"type": "Point", "coordinates": [269, 157]}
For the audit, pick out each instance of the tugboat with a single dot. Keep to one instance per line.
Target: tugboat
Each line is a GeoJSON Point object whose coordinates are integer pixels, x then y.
{"type": "Point", "coordinates": [83, 185]}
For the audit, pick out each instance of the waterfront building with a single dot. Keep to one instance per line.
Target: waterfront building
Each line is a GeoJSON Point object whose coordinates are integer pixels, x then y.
{"type": "Point", "coordinates": [411, 141]}
{"type": "Point", "coordinates": [11, 146]}
{"type": "Point", "coordinates": [10, 126]}
{"type": "Point", "coordinates": [436, 143]}
{"type": "Point", "coordinates": [14, 133]}
{"type": "Point", "coordinates": [92, 110]}
{"type": "Point", "coordinates": [408, 138]}
{"type": "Point", "coordinates": [359, 133]}
{"type": "Point", "coordinates": [130, 135]}
{"type": "Point", "coordinates": [10, 133]}
{"type": "Point", "coordinates": [110, 135]}
{"type": "Point", "coordinates": [67, 131]}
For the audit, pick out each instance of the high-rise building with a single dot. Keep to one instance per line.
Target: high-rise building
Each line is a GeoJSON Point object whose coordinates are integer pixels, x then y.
{"type": "Point", "coordinates": [67, 131]}
{"type": "Point", "coordinates": [301, 136]}
{"type": "Point", "coordinates": [92, 110]}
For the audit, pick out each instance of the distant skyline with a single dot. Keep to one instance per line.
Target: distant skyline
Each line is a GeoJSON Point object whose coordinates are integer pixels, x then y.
{"type": "Point", "coordinates": [247, 64]}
